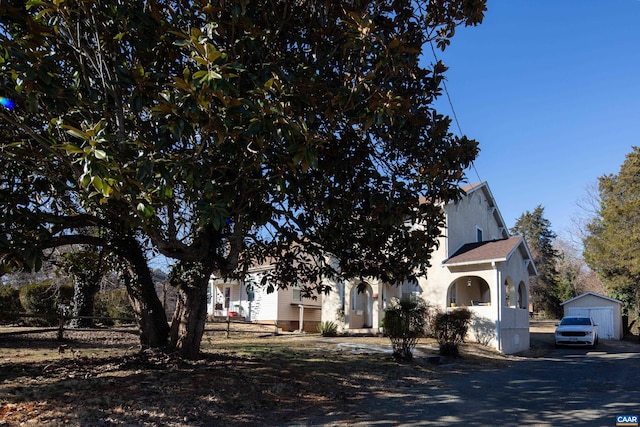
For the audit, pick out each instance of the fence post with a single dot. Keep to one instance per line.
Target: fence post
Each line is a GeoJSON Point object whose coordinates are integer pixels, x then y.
{"type": "Point", "coordinates": [60, 324]}
{"type": "Point", "coordinates": [228, 325]}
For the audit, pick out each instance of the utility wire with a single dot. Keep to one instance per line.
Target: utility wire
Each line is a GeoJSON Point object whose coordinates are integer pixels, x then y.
{"type": "Point", "coordinates": [453, 110]}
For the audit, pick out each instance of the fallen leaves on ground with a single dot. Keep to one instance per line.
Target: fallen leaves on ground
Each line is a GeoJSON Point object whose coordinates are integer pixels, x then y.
{"type": "Point", "coordinates": [248, 379]}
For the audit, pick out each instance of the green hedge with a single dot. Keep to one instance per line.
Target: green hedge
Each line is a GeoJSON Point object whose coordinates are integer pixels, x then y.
{"type": "Point", "coordinates": [9, 305]}
{"type": "Point", "coordinates": [450, 328]}
{"type": "Point", "coordinates": [405, 322]}
{"type": "Point", "coordinates": [44, 298]}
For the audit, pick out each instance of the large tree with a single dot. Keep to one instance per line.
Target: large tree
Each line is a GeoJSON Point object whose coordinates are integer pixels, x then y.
{"type": "Point", "coordinates": [546, 291]}
{"type": "Point", "coordinates": [227, 133]}
{"type": "Point", "coordinates": [87, 266]}
{"type": "Point", "coordinates": [574, 275]}
{"type": "Point", "coordinates": [612, 243]}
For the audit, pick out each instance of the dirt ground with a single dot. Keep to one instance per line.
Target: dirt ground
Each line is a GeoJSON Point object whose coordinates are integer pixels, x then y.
{"type": "Point", "coordinates": [250, 378]}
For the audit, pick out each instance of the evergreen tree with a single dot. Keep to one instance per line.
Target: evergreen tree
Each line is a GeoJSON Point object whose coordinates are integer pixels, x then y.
{"type": "Point", "coordinates": [546, 294]}
{"type": "Point", "coordinates": [86, 266]}
{"type": "Point", "coordinates": [612, 244]}
{"type": "Point", "coordinates": [219, 133]}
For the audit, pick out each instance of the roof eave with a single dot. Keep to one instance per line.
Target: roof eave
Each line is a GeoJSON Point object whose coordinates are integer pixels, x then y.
{"type": "Point", "coordinates": [481, 261]}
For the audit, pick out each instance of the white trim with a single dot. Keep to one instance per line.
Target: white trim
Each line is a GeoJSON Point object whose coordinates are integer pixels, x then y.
{"type": "Point", "coordinates": [483, 261]}
{"type": "Point", "coordinates": [593, 294]}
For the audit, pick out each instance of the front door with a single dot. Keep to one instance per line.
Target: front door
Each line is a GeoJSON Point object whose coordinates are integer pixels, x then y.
{"type": "Point", "coordinates": [361, 315]}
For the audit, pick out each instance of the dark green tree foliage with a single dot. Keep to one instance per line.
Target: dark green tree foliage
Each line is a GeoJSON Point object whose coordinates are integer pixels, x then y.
{"type": "Point", "coordinates": [87, 267]}
{"type": "Point", "coordinates": [545, 290]}
{"type": "Point", "coordinates": [9, 304]}
{"type": "Point", "coordinates": [44, 299]}
{"type": "Point", "coordinates": [405, 321]}
{"type": "Point", "coordinates": [612, 245]}
{"type": "Point", "coordinates": [226, 133]}
{"type": "Point", "coordinates": [45, 204]}
{"type": "Point", "coordinates": [450, 328]}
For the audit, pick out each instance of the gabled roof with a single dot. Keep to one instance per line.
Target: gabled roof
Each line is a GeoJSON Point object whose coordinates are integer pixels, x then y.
{"type": "Point", "coordinates": [472, 188]}
{"type": "Point", "coordinates": [497, 216]}
{"type": "Point", "coordinates": [469, 188]}
{"type": "Point", "coordinates": [592, 294]}
{"type": "Point", "coordinates": [491, 251]}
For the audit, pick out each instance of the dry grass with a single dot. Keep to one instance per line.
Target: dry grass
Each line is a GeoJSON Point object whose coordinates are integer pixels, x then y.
{"type": "Point", "coordinates": [100, 379]}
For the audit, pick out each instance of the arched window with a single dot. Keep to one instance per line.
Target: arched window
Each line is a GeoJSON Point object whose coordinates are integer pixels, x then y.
{"type": "Point", "coordinates": [522, 303]}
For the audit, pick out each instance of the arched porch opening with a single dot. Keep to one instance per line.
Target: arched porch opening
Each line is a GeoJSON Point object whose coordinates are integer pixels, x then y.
{"type": "Point", "coordinates": [467, 291]}
{"type": "Point", "coordinates": [361, 310]}
{"type": "Point", "coordinates": [522, 296]}
{"type": "Point", "coordinates": [510, 295]}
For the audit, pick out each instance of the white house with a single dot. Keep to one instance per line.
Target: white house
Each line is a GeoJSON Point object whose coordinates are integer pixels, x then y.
{"type": "Point", "coordinates": [476, 265]}
{"type": "Point", "coordinates": [286, 309]}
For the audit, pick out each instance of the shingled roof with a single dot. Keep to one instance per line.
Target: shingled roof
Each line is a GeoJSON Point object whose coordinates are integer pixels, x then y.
{"type": "Point", "coordinates": [490, 251]}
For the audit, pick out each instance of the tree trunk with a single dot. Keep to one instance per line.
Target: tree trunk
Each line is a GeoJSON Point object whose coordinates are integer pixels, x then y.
{"type": "Point", "coordinates": [87, 267]}
{"type": "Point", "coordinates": [190, 315]}
{"type": "Point", "coordinates": [84, 292]}
{"type": "Point", "coordinates": [152, 319]}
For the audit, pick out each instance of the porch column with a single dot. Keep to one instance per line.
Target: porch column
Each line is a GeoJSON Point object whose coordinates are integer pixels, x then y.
{"type": "Point", "coordinates": [499, 305]}
{"type": "Point", "coordinates": [301, 320]}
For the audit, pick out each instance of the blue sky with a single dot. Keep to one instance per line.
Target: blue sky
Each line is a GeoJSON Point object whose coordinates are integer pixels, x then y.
{"type": "Point", "coordinates": [551, 90]}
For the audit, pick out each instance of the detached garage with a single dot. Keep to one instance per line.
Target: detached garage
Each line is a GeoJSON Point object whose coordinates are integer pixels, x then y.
{"type": "Point", "coordinates": [605, 311]}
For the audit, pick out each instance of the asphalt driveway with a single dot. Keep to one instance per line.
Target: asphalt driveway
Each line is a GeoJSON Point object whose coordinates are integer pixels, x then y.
{"type": "Point", "coordinates": [568, 387]}
{"type": "Point", "coordinates": [565, 387]}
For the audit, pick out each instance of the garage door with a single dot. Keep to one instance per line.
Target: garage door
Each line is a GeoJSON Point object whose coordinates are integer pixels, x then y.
{"type": "Point", "coordinates": [603, 316]}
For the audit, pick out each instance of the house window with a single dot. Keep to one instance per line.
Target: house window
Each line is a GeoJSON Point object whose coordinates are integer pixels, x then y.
{"type": "Point", "coordinates": [250, 284]}
{"type": "Point", "coordinates": [478, 234]}
{"type": "Point", "coordinates": [411, 296]}
{"type": "Point", "coordinates": [411, 292]}
{"type": "Point", "coordinates": [296, 297]}
{"type": "Point", "coordinates": [227, 297]}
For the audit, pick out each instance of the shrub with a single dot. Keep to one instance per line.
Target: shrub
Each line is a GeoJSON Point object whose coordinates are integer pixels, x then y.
{"type": "Point", "coordinates": [9, 305]}
{"type": "Point", "coordinates": [44, 298]}
{"type": "Point", "coordinates": [450, 328]}
{"type": "Point", "coordinates": [404, 323]}
{"type": "Point", "coordinates": [113, 305]}
{"type": "Point", "coordinates": [328, 329]}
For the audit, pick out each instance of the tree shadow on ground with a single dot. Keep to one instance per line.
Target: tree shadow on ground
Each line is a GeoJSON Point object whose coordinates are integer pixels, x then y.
{"type": "Point", "coordinates": [283, 380]}
{"type": "Point", "coordinates": [484, 330]}
{"type": "Point", "coordinates": [260, 382]}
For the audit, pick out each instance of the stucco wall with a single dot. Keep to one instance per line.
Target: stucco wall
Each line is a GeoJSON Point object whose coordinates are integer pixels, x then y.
{"type": "Point", "coordinates": [514, 274]}
{"type": "Point", "coordinates": [463, 220]}
{"type": "Point", "coordinates": [514, 333]}
{"type": "Point", "coordinates": [436, 285]}
{"type": "Point", "coordinates": [466, 217]}
{"type": "Point", "coordinates": [332, 305]}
